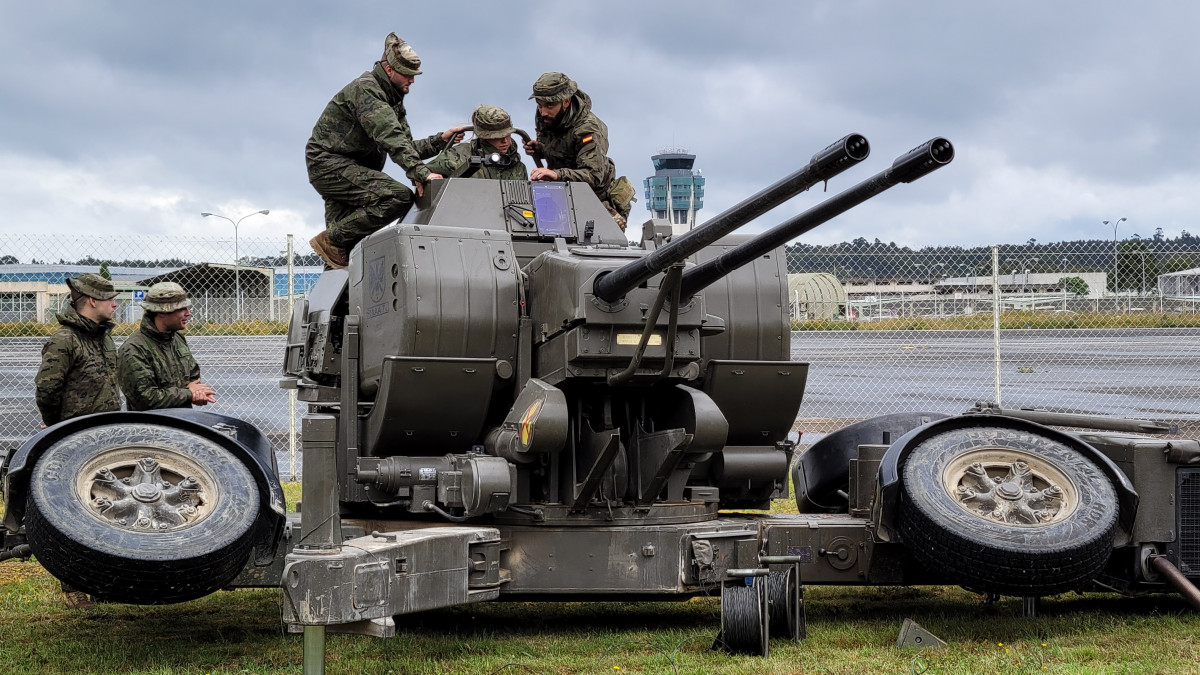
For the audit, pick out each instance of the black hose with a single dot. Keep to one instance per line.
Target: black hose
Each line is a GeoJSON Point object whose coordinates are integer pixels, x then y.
{"type": "Point", "coordinates": [430, 506]}
{"type": "Point", "coordinates": [21, 551]}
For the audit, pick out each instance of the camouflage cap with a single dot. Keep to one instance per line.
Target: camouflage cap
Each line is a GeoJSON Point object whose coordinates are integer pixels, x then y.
{"type": "Point", "coordinates": [93, 286]}
{"type": "Point", "coordinates": [490, 121]}
{"type": "Point", "coordinates": [554, 88]}
{"type": "Point", "coordinates": [400, 56]}
{"type": "Point", "coordinates": [166, 296]}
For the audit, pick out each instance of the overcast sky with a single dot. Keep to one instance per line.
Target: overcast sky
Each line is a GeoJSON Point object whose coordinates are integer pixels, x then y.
{"type": "Point", "coordinates": [130, 118]}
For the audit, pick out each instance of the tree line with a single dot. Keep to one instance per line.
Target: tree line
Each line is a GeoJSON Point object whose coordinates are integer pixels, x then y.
{"type": "Point", "coordinates": [1135, 263]}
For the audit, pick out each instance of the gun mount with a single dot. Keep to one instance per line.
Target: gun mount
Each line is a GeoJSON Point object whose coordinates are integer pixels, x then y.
{"type": "Point", "coordinates": [507, 400]}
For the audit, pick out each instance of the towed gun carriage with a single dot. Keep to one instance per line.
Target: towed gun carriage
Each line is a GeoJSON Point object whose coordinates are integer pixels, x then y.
{"type": "Point", "coordinates": [508, 401]}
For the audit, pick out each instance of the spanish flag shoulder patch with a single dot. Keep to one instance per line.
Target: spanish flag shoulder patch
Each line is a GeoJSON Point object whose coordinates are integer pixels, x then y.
{"type": "Point", "coordinates": [586, 139]}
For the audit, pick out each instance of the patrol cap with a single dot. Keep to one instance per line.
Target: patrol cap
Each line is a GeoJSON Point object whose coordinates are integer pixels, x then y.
{"type": "Point", "coordinates": [400, 56]}
{"type": "Point", "coordinates": [93, 286]}
{"type": "Point", "coordinates": [554, 88]}
{"type": "Point", "coordinates": [490, 121]}
{"type": "Point", "coordinates": [166, 296]}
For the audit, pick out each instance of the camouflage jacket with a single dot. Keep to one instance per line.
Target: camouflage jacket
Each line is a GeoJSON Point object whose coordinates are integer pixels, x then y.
{"type": "Point", "coordinates": [576, 147]}
{"type": "Point", "coordinates": [156, 368]}
{"type": "Point", "coordinates": [78, 375]}
{"type": "Point", "coordinates": [364, 124]}
{"type": "Point", "coordinates": [456, 161]}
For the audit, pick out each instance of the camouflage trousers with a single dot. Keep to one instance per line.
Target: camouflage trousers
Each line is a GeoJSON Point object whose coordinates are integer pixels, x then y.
{"type": "Point", "coordinates": [358, 201]}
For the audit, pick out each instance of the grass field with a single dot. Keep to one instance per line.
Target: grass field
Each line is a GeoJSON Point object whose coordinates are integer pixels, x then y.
{"type": "Point", "coordinates": [851, 630]}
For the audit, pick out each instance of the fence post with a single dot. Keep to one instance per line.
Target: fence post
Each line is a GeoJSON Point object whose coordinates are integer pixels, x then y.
{"type": "Point", "coordinates": [291, 289]}
{"type": "Point", "coordinates": [996, 320]}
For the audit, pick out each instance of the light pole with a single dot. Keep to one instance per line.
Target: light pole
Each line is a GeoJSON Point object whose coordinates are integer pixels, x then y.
{"type": "Point", "coordinates": [1116, 274]}
{"type": "Point", "coordinates": [875, 291]}
{"type": "Point", "coordinates": [1023, 262]}
{"type": "Point", "coordinates": [237, 279]}
{"type": "Point", "coordinates": [1143, 254]}
{"type": "Point", "coordinates": [1064, 286]}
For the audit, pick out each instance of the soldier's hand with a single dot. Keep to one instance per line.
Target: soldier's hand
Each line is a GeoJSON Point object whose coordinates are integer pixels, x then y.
{"type": "Point", "coordinates": [543, 174]}
{"type": "Point", "coordinates": [453, 135]}
{"type": "Point", "coordinates": [533, 147]}
{"type": "Point", "coordinates": [202, 394]}
{"type": "Point", "coordinates": [420, 188]}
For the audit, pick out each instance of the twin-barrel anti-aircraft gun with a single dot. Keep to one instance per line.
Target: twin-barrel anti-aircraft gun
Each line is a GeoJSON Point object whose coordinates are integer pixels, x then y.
{"type": "Point", "coordinates": [506, 400]}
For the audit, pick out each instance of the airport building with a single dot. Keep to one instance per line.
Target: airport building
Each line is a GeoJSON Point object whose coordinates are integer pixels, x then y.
{"type": "Point", "coordinates": [676, 191]}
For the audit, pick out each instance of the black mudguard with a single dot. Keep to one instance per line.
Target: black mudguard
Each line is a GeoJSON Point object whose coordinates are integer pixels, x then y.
{"type": "Point", "coordinates": [241, 439]}
{"type": "Point", "coordinates": [888, 502]}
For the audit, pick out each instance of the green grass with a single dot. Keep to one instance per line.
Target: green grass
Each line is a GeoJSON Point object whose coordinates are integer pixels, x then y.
{"type": "Point", "coordinates": [850, 630]}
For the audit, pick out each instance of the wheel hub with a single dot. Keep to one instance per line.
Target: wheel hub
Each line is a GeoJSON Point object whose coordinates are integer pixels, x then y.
{"type": "Point", "coordinates": [1011, 487]}
{"type": "Point", "coordinates": [134, 494]}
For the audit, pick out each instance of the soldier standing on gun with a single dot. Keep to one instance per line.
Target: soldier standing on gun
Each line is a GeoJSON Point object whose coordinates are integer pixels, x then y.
{"type": "Point", "coordinates": [575, 143]}
{"type": "Point", "coordinates": [78, 375]}
{"type": "Point", "coordinates": [491, 154]}
{"type": "Point", "coordinates": [361, 127]}
{"type": "Point", "coordinates": [156, 366]}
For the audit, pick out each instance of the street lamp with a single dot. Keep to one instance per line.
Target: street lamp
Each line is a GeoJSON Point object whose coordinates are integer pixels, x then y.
{"type": "Point", "coordinates": [237, 279]}
{"type": "Point", "coordinates": [1116, 274]}
{"type": "Point", "coordinates": [875, 290]}
{"type": "Point", "coordinates": [1064, 285]}
{"type": "Point", "coordinates": [1024, 263]}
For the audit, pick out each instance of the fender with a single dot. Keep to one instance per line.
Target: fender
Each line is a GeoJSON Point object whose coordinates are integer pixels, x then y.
{"type": "Point", "coordinates": [887, 505]}
{"type": "Point", "coordinates": [241, 439]}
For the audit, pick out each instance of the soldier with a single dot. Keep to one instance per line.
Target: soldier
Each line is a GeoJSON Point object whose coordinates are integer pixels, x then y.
{"type": "Point", "coordinates": [491, 154]}
{"type": "Point", "coordinates": [362, 126]}
{"type": "Point", "coordinates": [78, 375]}
{"type": "Point", "coordinates": [575, 143]}
{"type": "Point", "coordinates": [155, 364]}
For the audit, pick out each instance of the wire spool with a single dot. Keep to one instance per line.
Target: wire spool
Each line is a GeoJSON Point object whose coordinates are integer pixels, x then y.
{"type": "Point", "coordinates": [782, 604]}
{"type": "Point", "coordinates": [744, 618]}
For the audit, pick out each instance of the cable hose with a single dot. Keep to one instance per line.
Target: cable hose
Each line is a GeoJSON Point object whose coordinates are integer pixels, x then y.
{"type": "Point", "coordinates": [780, 592]}
{"type": "Point", "coordinates": [741, 619]}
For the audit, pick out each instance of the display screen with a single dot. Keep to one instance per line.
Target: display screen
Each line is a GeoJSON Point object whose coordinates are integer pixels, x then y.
{"type": "Point", "coordinates": [552, 209]}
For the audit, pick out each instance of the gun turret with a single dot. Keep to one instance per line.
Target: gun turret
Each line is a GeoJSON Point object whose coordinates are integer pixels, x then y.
{"type": "Point", "coordinates": [921, 160]}
{"type": "Point", "coordinates": [824, 165]}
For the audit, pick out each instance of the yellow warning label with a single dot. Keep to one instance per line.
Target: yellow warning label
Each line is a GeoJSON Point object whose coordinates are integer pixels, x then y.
{"type": "Point", "coordinates": [527, 421]}
{"type": "Point", "coordinates": [633, 338]}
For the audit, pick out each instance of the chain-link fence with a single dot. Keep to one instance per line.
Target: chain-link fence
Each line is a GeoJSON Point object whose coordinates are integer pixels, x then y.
{"type": "Point", "coordinates": [1087, 327]}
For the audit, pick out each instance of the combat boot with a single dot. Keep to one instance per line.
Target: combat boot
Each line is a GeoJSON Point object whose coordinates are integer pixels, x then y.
{"type": "Point", "coordinates": [334, 257]}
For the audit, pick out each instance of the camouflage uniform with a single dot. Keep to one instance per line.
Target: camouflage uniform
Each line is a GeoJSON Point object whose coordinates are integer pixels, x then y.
{"type": "Point", "coordinates": [361, 127]}
{"type": "Point", "coordinates": [156, 367]}
{"type": "Point", "coordinates": [489, 122]}
{"type": "Point", "coordinates": [576, 144]}
{"type": "Point", "coordinates": [78, 375]}
{"type": "Point", "coordinates": [456, 162]}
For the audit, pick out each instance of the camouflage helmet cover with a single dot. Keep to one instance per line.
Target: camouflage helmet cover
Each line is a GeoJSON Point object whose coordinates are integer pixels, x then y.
{"type": "Point", "coordinates": [400, 56]}
{"type": "Point", "coordinates": [93, 286]}
{"type": "Point", "coordinates": [490, 121]}
{"type": "Point", "coordinates": [554, 88]}
{"type": "Point", "coordinates": [165, 297]}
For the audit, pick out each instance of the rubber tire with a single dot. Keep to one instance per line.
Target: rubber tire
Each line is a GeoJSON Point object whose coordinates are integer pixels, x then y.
{"type": "Point", "coordinates": [994, 557]}
{"type": "Point", "coordinates": [145, 568]}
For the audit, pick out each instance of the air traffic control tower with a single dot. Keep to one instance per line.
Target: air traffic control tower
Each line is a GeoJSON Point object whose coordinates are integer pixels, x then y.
{"type": "Point", "coordinates": [675, 191]}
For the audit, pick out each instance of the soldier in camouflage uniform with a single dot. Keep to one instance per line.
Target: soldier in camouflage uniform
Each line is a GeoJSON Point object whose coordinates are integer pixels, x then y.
{"type": "Point", "coordinates": [491, 154]}
{"type": "Point", "coordinates": [362, 126]}
{"type": "Point", "coordinates": [575, 143]}
{"type": "Point", "coordinates": [156, 366]}
{"type": "Point", "coordinates": [78, 375]}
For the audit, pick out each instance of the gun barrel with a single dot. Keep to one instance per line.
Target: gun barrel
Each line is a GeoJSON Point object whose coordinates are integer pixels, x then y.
{"type": "Point", "coordinates": [921, 160]}
{"type": "Point", "coordinates": [824, 165]}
